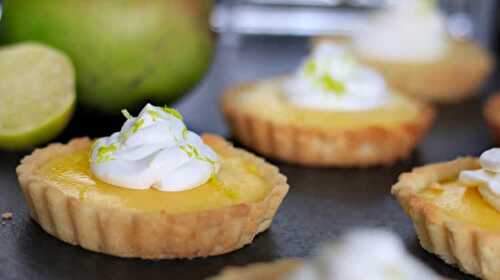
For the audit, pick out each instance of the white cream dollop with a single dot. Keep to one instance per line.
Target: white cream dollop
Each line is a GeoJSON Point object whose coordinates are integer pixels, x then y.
{"type": "Point", "coordinates": [406, 31]}
{"type": "Point", "coordinates": [154, 149]}
{"type": "Point", "coordinates": [369, 254]}
{"type": "Point", "coordinates": [332, 80]}
{"type": "Point", "coordinates": [486, 179]}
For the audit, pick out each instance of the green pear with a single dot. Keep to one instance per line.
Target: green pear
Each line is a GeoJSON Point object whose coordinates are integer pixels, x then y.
{"type": "Point", "coordinates": [125, 52]}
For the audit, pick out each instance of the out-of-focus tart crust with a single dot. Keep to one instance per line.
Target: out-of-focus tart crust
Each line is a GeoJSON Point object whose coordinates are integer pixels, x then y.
{"type": "Point", "coordinates": [277, 270]}
{"type": "Point", "coordinates": [474, 249]}
{"type": "Point", "coordinates": [492, 116]}
{"type": "Point", "coordinates": [152, 235]}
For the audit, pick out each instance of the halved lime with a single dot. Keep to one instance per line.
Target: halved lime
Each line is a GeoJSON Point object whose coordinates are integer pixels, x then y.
{"type": "Point", "coordinates": [37, 94]}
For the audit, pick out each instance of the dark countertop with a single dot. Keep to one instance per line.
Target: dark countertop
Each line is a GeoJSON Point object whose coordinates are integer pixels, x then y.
{"type": "Point", "coordinates": [321, 204]}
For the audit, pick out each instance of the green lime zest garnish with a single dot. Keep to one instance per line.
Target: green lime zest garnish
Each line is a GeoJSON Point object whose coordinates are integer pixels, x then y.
{"type": "Point", "coordinates": [154, 115]}
{"type": "Point", "coordinates": [126, 114]}
{"type": "Point", "coordinates": [221, 187]}
{"type": "Point", "coordinates": [184, 132]}
{"type": "Point", "coordinates": [310, 67]}
{"type": "Point", "coordinates": [137, 125]}
{"type": "Point", "coordinates": [172, 112]}
{"type": "Point", "coordinates": [190, 150]}
{"type": "Point", "coordinates": [193, 152]}
{"type": "Point", "coordinates": [103, 153]}
{"type": "Point", "coordinates": [214, 180]}
{"type": "Point", "coordinates": [332, 85]}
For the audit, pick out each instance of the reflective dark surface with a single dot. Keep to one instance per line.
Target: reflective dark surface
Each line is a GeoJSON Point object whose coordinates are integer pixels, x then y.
{"type": "Point", "coordinates": [321, 204]}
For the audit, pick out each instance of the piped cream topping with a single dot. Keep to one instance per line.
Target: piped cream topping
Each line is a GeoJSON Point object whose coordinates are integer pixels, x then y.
{"type": "Point", "coordinates": [364, 255]}
{"type": "Point", "coordinates": [486, 179]}
{"type": "Point", "coordinates": [406, 31]}
{"type": "Point", "coordinates": [332, 79]}
{"type": "Point", "coordinates": [154, 150]}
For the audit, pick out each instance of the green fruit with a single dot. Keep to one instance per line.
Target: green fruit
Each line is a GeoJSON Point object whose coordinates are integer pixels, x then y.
{"type": "Point", "coordinates": [125, 51]}
{"type": "Point", "coordinates": [37, 95]}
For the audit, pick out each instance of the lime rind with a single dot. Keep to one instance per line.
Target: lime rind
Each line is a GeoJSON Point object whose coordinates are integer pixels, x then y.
{"type": "Point", "coordinates": [332, 85]}
{"type": "Point", "coordinates": [173, 112]}
{"type": "Point", "coordinates": [37, 136]}
{"type": "Point", "coordinates": [39, 103]}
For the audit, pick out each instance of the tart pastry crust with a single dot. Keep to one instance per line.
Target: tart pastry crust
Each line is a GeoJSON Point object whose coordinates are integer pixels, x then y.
{"type": "Point", "coordinates": [262, 271]}
{"type": "Point", "coordinates": [492, 116]}
{"type": "Point", "coordinates": [473, 249]}
{"type": "Point", "coordinates": [151, 235]}
{"type": "Point", "coordinates": [310, 146]}
{"type": "Point", "coordinates": [452, 79]}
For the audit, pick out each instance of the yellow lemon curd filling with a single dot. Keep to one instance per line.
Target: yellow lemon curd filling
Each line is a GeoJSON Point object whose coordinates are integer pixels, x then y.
{"type": "Point", "coordinates": [463, 204]}
{"type": "Point", "coordinates": [238, 181]}
{"type": "Point", "coordinates": [266, 100]}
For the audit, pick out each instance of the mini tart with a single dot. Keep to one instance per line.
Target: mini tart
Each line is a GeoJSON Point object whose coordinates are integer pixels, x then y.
{"type": "Point", "coordinates": [262, 119]}
{"type": "Point", "coordinates": [492, 116]}
{"type": "Point", "coordinates": [151, 224]}
{"type": "Point", "coordinates": [455, 77]}
{"type": "Point", "coordinates": [452, 221]}
{"type": "Point", "coordinates": [262, 271]}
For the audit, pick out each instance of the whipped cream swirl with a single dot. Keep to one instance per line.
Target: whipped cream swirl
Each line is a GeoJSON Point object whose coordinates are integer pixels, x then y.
{"type": "Point", "coordinates": [331, 79]}
{"type": "Point", "coordinates": [486, 179]}
{"type": "Point", "coordinates": [154, 149]}
{"type": "Point", "coordinates": [407, 31]}
{"type": "Point", "coordinates": [364, 255]}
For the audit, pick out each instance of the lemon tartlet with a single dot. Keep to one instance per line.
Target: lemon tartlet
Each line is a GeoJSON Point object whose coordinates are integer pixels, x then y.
{"type": "Point", "coordinates": [453, 215]}
{"type": "Point", "coordinates": [492, 116]}
{"type": "Point", "coordinates": [360, 130]}
{"type": "Point", "coordinates": [222, 214]}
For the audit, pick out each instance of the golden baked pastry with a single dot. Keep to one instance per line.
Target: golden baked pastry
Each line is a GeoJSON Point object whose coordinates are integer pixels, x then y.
{"type": "Point", "coordinates": [277, 270]}
{"type": "Point", "coordinates": [220, 216]}
{"type": "Point", "coordinates": [262, 119]}
{"type": "Point", "coordinates": [492, 116]}
{"type": "Point", "coordinates": [452, 220]}
{"type": "Point", "coordinates": [455, 77]}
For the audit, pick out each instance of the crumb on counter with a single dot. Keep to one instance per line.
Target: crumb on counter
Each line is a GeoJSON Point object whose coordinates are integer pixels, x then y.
{"type": "Point", "coordinates": [7, 216]}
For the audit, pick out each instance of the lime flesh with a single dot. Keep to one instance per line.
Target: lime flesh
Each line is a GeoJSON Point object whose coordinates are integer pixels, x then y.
{"type": "Point", "coordinates": [37, 95]}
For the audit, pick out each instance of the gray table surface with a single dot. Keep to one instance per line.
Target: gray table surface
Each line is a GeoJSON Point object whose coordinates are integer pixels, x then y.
{"type": "Point", "coordinates": [321, 204]}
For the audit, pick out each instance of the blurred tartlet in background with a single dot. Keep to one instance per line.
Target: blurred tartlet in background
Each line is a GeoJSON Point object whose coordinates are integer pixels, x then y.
{"type": "Point", "coordinates": [408, 42]}
{"type": "Point", "coordinates": [334, 111]}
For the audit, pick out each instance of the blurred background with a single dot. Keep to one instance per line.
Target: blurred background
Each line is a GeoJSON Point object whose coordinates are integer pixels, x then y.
{"type": "Point", "coordinates": [261, 38]}
{"type": "Point", "coordinates": [235, 18]}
